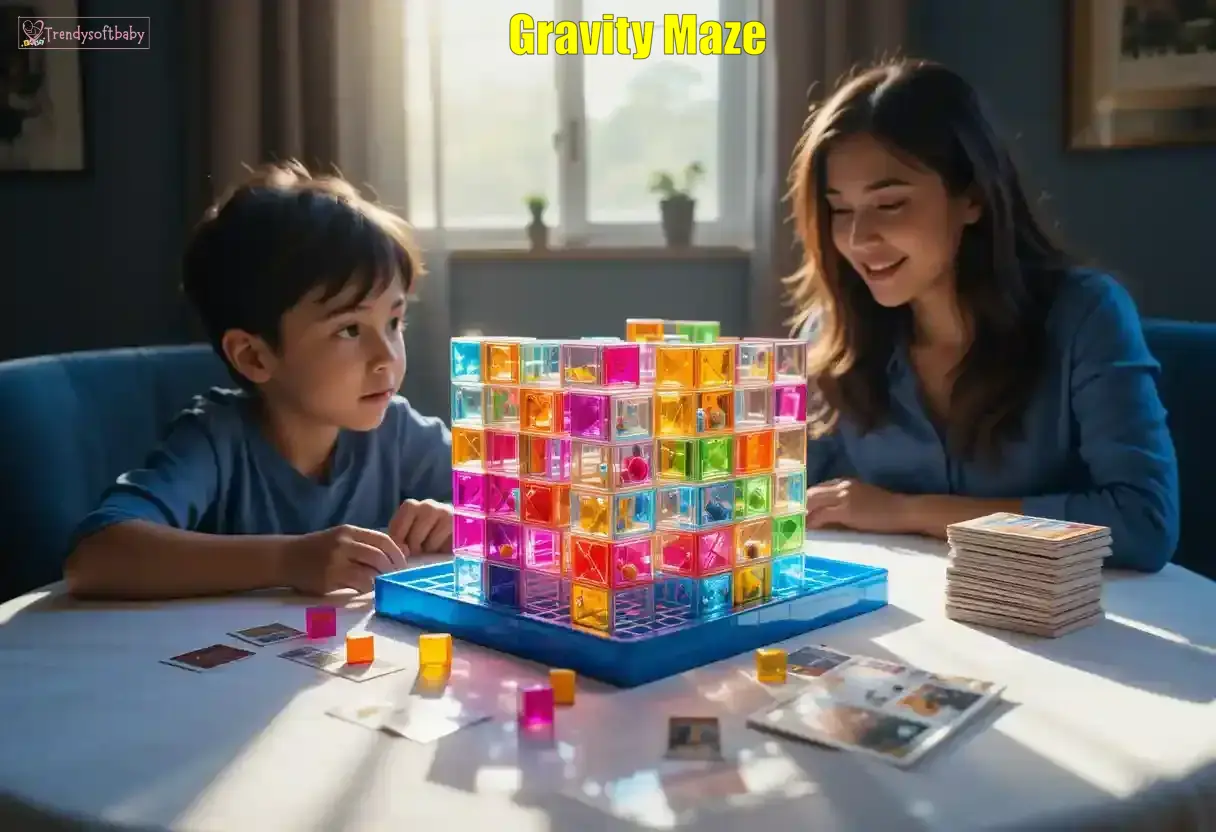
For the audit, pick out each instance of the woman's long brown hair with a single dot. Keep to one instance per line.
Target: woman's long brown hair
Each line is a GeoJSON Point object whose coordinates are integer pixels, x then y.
{"type": "Point", "coordinates": [1008, 268]}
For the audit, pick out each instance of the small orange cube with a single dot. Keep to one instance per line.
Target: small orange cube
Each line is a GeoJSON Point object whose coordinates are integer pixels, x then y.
{"type": "Point", "coordinates": [360, 648]}
{"type": "Point", "coordinates": [563, 683]}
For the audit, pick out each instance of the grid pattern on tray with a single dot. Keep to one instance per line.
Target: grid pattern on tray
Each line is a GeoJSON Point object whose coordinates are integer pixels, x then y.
{"type": "Point", "coordinates": [550, 608]}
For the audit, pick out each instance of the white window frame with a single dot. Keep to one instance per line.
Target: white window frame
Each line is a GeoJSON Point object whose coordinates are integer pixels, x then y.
{"type": "Point", "coordinates": [734, 178]}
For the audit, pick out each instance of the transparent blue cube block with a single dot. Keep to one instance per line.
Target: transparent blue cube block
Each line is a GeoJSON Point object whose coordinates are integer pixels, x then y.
{"type": "Point", "coordinates": [787, 575]}
{"type": "Point", "coordinates": [469, 578]}
{"type": "Point", "coordinates": [466, 359]}
{"type": "Point", "coordinates": [695, 598]}
{"type": "Point", "coordinates": [503, 586]}
{"type": "Point", "coordinates": [692, 507]}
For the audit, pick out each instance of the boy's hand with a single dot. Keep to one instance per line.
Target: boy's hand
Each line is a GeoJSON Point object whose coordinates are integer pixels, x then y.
{"type": "Point", "coordinates": [424, 527]}
{"type": "Point", "coordinates": [344, 557]}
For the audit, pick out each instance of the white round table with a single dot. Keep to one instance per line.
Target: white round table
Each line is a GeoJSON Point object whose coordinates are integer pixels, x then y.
{"type": "Point", "coordinates": [91, 722]}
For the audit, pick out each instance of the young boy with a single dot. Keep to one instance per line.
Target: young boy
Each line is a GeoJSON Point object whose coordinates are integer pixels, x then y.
{"type": "Point", "coordinates": [301, 285]}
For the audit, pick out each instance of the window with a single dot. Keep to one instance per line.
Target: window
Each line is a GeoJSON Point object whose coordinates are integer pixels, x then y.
{"type": "Point", "coordinates": [486, 127]}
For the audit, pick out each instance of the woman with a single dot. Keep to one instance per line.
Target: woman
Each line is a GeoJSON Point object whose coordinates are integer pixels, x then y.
{"type": "Point", "coordinates": [963, 363]}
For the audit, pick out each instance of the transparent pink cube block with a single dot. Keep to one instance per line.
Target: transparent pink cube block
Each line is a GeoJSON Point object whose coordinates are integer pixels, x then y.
{"type": "Point", "coordinates": [545, 457]}
{"type": "Point", "coordinates": [544, 549]}
{"type": "Point", "coordinates": [502, 496]}
{"type": "Point", "coordinates": [504, 541]}
{"type": "Point", "coordinates": [789, 403]}
{"type": "Point", "coordinates": [535, 712]}
{"type": "Point", "coordinates": [469, 490]}
{"type": "Point", "coordinates": [468, 534]}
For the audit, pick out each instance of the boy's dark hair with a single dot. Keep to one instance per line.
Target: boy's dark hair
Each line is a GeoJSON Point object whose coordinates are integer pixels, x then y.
{"type": "Point", "coordinates": [282, 234]}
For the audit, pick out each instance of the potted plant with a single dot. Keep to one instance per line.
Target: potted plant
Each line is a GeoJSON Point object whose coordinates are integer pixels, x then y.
{"type": "Point", "coordinates": [538, 232]}
{"type": "Point", "coordinates": [677, 207]}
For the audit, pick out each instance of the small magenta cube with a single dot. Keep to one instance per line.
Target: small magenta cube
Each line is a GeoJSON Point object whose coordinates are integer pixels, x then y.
{"type": "Point", "coordinates": [536, 708]}
{"type": "Point", "coordinates": [321, 622]}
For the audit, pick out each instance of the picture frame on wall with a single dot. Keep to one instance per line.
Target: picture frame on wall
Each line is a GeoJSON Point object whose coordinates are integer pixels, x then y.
{"type": "Point", "coordinates": [1139, 73]}
{"type": "Point", "coordinates": [42, 114]}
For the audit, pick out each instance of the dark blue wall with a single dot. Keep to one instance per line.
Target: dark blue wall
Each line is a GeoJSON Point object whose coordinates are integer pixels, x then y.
{"type": "Point", "coordinates": [1148, 214]}
{"type": "Point", "coordinates": [91, 260]}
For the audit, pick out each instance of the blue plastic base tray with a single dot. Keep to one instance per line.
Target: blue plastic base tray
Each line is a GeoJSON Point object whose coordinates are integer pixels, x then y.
{"type": "Point", "coordinates": [670, 641]}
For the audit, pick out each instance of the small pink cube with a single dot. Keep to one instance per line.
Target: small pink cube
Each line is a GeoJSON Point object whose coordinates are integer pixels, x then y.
{"type": "Point", "coordinates": [535, 708]}
{"type": "Point", "coordinates": [321, 622]}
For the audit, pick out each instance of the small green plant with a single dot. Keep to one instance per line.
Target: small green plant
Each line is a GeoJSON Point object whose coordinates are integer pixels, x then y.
{"type": "Point", "coordinates": [537, 203]}
{"type": "Point", "coordinates": [664, 184]}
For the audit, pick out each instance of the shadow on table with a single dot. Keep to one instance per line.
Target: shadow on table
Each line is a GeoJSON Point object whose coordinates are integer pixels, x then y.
{"type": "Point", "coordinates": [1127, 655]}
{"type": "Point", "coordinates": [96, 723]}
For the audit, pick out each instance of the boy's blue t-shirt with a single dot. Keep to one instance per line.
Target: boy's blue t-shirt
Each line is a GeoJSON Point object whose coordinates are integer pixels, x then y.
{"type": "Point", "coordinates": [215, 472]}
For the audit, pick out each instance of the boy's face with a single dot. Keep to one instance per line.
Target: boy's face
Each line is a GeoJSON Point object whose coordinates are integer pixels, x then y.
{"type": "Point", "coordinates": [340, 361]}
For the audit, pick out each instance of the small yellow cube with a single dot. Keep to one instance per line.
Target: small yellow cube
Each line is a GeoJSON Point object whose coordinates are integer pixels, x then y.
{"type": "Point", "coordinates": [360, 648]}
{"type": "Point", "coordinates": [562, 682]}
{"type": "Point", "coordinates": [435, 649]}
{"type": "Point", "coordinates": [770, 665]}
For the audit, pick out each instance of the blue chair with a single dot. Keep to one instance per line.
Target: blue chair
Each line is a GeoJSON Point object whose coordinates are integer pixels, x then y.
{"type": "Point", "coordinates": [1187, 353]}
{"type": "Point", "coordinates": [69, 425]}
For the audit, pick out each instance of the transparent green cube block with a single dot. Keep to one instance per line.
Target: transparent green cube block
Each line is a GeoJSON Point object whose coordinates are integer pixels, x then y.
{"type": "Point", "coordinates": [789, 533]}
{"type": "Point", "coordinates": [753, 496]}
{"type": "Point", "coordinates": [696, 460]}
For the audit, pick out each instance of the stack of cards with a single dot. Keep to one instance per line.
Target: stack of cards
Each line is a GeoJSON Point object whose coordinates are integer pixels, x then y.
{"type": "Point", "coordinates": [1026, 574]}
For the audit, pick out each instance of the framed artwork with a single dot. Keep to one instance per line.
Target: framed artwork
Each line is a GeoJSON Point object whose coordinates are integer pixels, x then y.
{"type": "Point", "coordinates": [42, 121]}
{"type": "Point", "coordinates": [1140, 73]}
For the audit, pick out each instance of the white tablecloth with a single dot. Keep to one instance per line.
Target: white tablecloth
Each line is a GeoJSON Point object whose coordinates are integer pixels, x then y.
{"type": "Point", "coordinates": [90, 722]}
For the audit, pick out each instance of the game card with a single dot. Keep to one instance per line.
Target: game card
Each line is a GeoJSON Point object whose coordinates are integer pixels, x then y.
{"type": "Point", "coordinates": [814, 661]}
{"type": "Point", "coordinates": [426, 720]}
{"type": "Point", "coordinates": [267, 634]}
{"type": "Point", "coordinates": [419, 720]}
{"type": "Point", "coordinates": [694, 738]}
{"type": "Point", "coordinates": [333, 661]}
{"type": "Point", "coordinates": [208, 658]}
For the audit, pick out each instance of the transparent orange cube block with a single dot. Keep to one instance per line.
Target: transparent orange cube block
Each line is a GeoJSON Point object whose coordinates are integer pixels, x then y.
{"type": "Point", "coordinates": [754, 451]}
{"type": "Point", "coordinates": [500, 362]}
{"type": "Point", "coordinates": [643, 329]}
{"type": "Point", "coordinates": [675, 367]}
{"type": "Point", "coordinates": [715, 366]}
{"type": "Point", "coordinates": [753, 540]}
{"type": "Point", "coordinates": [545, 503]}
{"type": "Point", "coordinates": [468, 448]}
{"type": "Point", "coordinates": [543, 411]}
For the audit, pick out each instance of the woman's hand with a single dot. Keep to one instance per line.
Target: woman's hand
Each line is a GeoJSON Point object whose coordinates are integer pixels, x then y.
{"type": "Point", "coordinates": [849, 504]}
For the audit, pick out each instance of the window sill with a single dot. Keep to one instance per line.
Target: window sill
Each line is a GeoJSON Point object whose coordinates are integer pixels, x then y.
{"type": "Point", "coordinates": [693, 253]}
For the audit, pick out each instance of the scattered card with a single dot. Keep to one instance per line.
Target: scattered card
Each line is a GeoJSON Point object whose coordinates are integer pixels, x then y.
{"type": "Point", "coordinates": [419, 719]}
{"type": "Point", "coordinates": [368, 714]}
{"type": "Point", "coordinates": [208, 658]}
{"type": "Point", "coordinates": [267, 634]}
{"type": "Point", "coordinates": [426, 720]}
{"type": "Point", "coordinates": [814, 661]}
{"type": "Point", "coordinates": [333, 661]}
{"type": "Point", "coordinates": [694, 738]}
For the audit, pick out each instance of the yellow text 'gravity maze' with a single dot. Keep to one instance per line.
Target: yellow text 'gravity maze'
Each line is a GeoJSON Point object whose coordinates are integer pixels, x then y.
{"type": "Point", "coordinates": [682, 34]}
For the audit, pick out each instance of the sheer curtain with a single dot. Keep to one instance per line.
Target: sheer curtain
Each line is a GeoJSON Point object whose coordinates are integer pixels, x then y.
{"type": "Point", "coordinates": [812, 43]}
{"type": "Point", "coordinates": [373, 78]}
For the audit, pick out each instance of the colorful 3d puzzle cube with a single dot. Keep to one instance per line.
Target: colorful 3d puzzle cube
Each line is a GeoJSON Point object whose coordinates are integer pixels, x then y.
{"type": "Point", "coordinates": [360, 648]}
{"type": "Point", "coordinates": [610, 483]}
{"type": "Point", "coordinates": [321, 622]}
